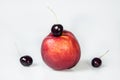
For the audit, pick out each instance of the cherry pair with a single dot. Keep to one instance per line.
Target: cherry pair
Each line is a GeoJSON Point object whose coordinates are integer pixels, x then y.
{"type": "Point", "coordinates": [27, 61]}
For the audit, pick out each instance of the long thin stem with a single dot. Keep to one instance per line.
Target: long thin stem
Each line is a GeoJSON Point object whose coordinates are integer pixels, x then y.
{"type": "Point", "coordinates": [53, 14]}
{"type": "Point", "coordinates": [104, 53]}
{"type": "Point", "coordinates": [17, 48]}
{"type": "Point", "coordinates": [15, 42]}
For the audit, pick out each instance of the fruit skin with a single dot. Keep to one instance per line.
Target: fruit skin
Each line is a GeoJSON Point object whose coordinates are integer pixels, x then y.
{"type": "Point", "coordinates": [61, 52]}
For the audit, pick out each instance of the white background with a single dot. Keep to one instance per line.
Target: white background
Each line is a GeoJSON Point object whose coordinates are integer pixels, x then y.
{"type": "Point", "coordinates": [95, 23]}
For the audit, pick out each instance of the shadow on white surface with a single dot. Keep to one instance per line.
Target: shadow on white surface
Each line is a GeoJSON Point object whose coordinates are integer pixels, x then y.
{"type": "Point", "coordinates": [83, 65]}
{"type": "Point", "coordinates": [34, 65]}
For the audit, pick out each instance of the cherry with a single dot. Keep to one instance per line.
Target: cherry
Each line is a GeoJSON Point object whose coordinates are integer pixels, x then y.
{"type": "Point", "coordinates": [57, 30]}
{"type": "Point", "coordinates": [26, 60]}
{"type": "Point", "coordinates": [96, 62]}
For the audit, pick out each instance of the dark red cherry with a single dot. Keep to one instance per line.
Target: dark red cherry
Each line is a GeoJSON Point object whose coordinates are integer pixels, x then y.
{"type": "Point", "coordinates": [57, 30]}
{"type": "Point", "coordinates": [26, 60]}
{"type": "Point", "coordinates": [96, 62]}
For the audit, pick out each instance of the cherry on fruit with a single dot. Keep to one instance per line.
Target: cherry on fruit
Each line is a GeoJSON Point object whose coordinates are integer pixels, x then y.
{"type": "Point", "coordinates": [57, 30]}
{"type": "Point", "coordinates": [26, 60]}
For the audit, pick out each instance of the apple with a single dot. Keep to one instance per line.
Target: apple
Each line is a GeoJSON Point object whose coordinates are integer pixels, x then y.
{"type": "Point", "coordinates": [60, 52]}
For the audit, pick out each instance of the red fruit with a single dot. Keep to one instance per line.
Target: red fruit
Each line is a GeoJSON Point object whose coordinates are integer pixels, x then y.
{"type": "Point", "coordinates": [61, 52]}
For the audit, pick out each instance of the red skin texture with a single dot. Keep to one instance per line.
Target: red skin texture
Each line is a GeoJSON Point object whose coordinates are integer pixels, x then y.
{"type": "Point", "coordinates": [61, 52]}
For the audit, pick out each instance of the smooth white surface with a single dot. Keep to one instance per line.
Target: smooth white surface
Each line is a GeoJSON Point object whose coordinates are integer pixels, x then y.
{"type": "Point", "coordinates": [95, 23]}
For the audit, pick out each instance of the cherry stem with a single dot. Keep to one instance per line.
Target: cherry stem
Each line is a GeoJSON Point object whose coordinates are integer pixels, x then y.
{"type": "Point", "coordinates": [15, 43]}
{"type": "Point", "coordinates": [17, 48]}
{"type": "Point", "coordinates": [104, 53]}
{"type": "Point", "coordinates": [53, 14]}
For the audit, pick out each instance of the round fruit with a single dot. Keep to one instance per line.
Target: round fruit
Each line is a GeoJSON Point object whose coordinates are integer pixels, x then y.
{"type": "Point", "coordinates": [26, 60]}
{"type": "Point", "coordinates": [57, 30]}
{"type": "Point", "coordinates": [61, 52]}
{"type": "Point", "coordinates": [96, 62]}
